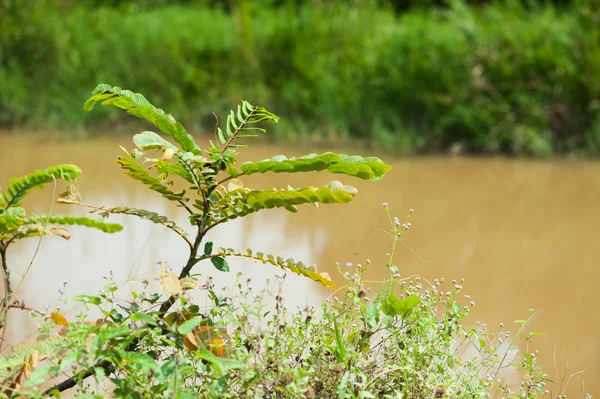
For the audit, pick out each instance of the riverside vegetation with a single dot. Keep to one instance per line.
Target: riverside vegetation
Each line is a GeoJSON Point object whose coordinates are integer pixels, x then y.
{"type": "Point", "coordinates": [507, 76]}
{"type": "Point", "coordinates": [407, 340]}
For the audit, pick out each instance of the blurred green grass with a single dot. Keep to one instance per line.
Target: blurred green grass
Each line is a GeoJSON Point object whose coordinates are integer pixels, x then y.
{"type": "Point", "coordinates": [496, 78]}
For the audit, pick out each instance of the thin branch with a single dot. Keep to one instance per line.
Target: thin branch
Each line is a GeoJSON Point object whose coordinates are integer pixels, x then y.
{"type": "Point", "coordinates": [173, 228]}
{"type": "Point", "coordinates": [184, 205]}
{"type": "Point", "coordinates": [3, 247]}
{"type": "Point", "coordinates": [37, 248]}
{"type": "Point", "coordinates": [23, 307]}
{"type": "Point", "coordinates": [82, 375]}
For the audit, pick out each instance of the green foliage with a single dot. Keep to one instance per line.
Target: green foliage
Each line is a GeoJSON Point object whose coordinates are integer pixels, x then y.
{"type": "Point", "coordinates": [137, 105]}
{"type": "Point", "coordinates": [410, 341]}
{"type": "Point", "coordinates": [365, 168]}
{"type": "Point", "coordinates": [242, 202]}
{"type": "Point", "coordinates": [40, 347]}
{"type": "Point", "coordinates": [145, 214]}
{"type": "Point", "coordinates": [286, 264]}
{"type": "Point", "coordinates": [499, 77]}
{"type": "Point", "coordinates": [214, 204]}
{"type": "Point", "coordinates": [18, 188]}
{"type": "Point", "coordinates": [98, 223]}
{"type": "Point", "coordinates": [11, 219]}
{"type": "Point", "coordinates": [133, 169]}
{"type": "Point", "coordinates": [237, 123]}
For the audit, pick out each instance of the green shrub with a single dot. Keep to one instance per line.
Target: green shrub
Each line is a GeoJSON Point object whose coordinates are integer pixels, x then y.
{"type": "Point", "coordinates": [495, 78]}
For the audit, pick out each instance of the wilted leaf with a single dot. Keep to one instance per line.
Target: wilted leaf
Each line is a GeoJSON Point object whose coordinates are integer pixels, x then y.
{"type": "Point", "coordinates": [57, 231]}
{"type": "Point", "coordinates": [190, 343]}
{"type": "Point", "coordinates": [235, 184]}
{"type": "Point", "coordinates": [169, 283]}
{"type": "Point", "coordinates": [71, 196]}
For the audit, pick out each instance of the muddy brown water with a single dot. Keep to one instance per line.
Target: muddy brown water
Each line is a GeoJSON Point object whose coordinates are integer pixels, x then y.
{"type": "Point", "coordinates": [523, 234]}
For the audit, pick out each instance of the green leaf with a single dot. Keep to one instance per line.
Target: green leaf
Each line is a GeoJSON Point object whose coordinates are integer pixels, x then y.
{"type": "Point", "coordinates": [220, 364]}
{"type": "Point", "coordinates": [147, 215]}
{"type": "Point", "coordinates": [371, 168]}
{"type": "Point", "coordinates": [241, 121]}
{"type": "Point", "coordinates": [221, 136]}
{"type": "Point", "coordinates": [220, 264]}
{"type": "Point", "coordinates": [371, 315]}
{"type": "Point", "coordinates": [11, 219]}
{"type": "Point", "coordinates": [19, 187]}
{"type": "Point", "coordinates": [134, 170]}
{"type": "Point", "coordinates": [189, 325]}
{"type": "Point", "coordinates": [87, 221]}
{"type": "Point", "coordinates": [38, 376]}
{"type": "Point", "coordinates": [342, 387]}
{"type": "Point", "coordinates": [393, 306]}
{"type": "Point", "coordinates": [143, 317]}
{"type": "Point", "coordinates": [137, 105]}
{"type": "Point", "coordinates": [456, 307]}
{"type": "Point", "coordinates": [94, 300]}
{"type": "Point", "coordinates": [535, 334]}
{"type": "Point", "coordinates": [410, 303]}
{"type": "Point", "coordinates": [208, 248]}
{"type": "Point", "coordinates": [341, 348]}
{"type": "Point", "coordinates": [243, 201]}
{"type": "Point", "coordinates": [287, 264]}
{"type": "Point", "coordinates": [152, 141]}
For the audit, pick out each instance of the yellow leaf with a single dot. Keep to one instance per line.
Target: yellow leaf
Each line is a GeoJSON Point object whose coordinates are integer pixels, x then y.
{"type": "Point", "coordinates": [217, 347]}
{"type": "Point", "coordinates": [169, 283]}
{"type": "Point", "coordinates": [213, 339]}
{"type": "Point", "coordinates": [59, 319]}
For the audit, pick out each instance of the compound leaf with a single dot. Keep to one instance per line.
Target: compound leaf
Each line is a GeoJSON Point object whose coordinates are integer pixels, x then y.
{"type": "Point", "coordinates": [19, 187]}
{"type": "Point", "coordinates": [137, 105]}
{"type": "Point", "coordinates": [371, 168]}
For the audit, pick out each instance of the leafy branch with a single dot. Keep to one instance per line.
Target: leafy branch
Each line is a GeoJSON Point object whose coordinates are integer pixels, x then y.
{"type": "Point", "coordinates": [213, 204]}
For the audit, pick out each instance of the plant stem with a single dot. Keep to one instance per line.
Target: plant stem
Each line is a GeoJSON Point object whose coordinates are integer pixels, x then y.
{"type": "Point", "coordinates": [82, 375]}
{"type": "Point", "coordinates": [164, 308]}
{"type": "Point", "coordinates": [7, 289]}
{"type": "Point", "coordinates": [192, 260]}
{"type": "Point", "coordinates": [7, 292]}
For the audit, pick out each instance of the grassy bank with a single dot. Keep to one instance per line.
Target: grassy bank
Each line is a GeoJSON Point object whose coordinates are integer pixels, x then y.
{"type": "Point", "coordinates": [491, 79]}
